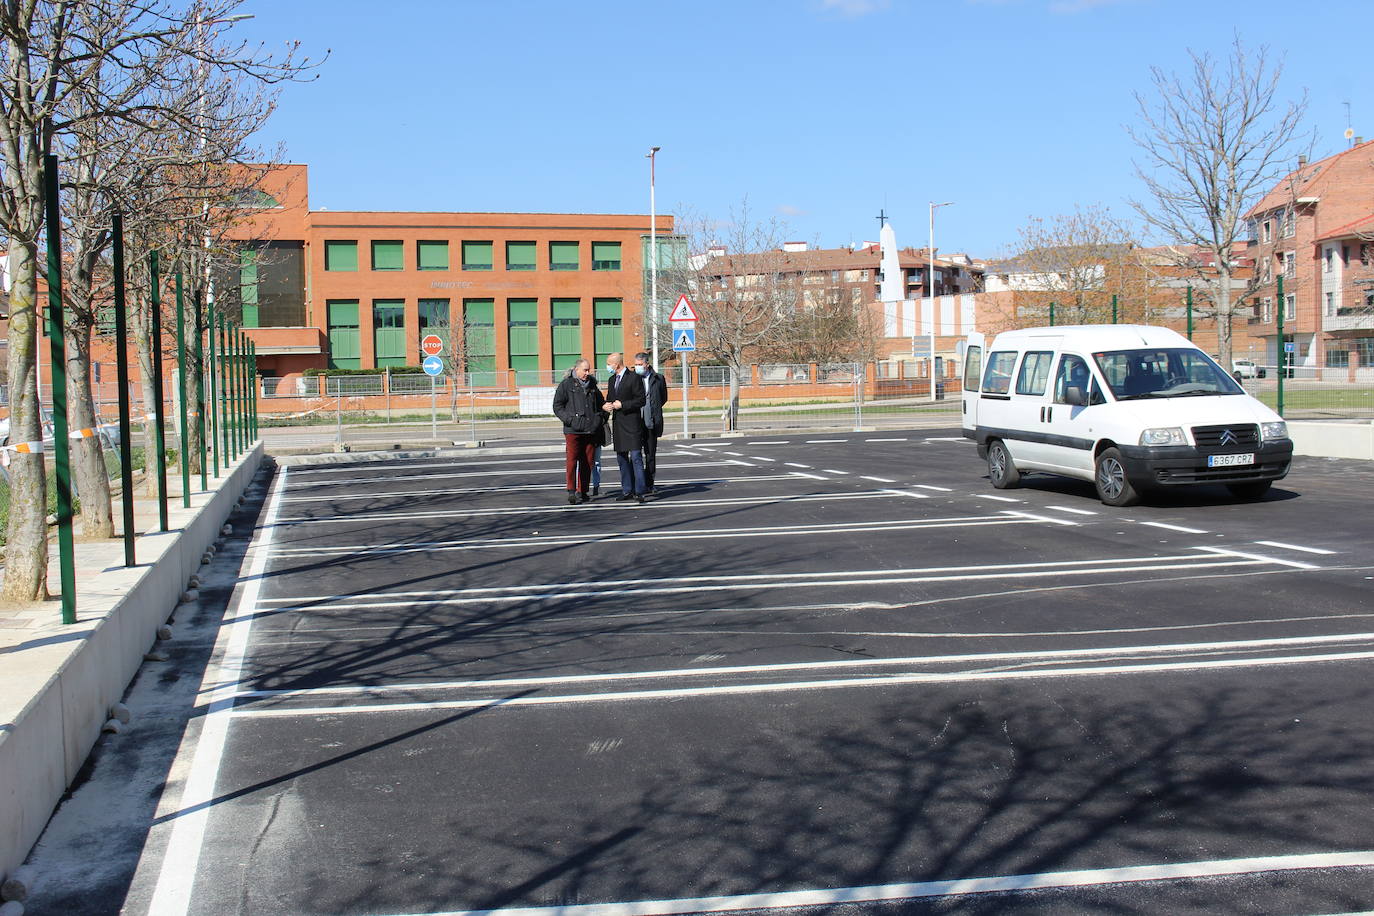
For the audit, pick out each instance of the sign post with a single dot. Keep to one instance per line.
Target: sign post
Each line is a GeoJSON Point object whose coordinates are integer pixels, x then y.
{"type": "Point", "coordinates": [433, 367]}
{"type": "Point", "coordinates": [684, 322]}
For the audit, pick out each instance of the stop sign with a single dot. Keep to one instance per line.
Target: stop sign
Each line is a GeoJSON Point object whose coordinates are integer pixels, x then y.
{"type": "Point", "coordinates": [432, 345]}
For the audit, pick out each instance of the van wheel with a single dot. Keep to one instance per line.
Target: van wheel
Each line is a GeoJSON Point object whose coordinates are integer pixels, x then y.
{"type": "Point", "coordinates": [1000, 467]}
{"type": "Point", "coordinates": [1113, 486]}
{"type": "Point", "coordinates": [1249, 491]}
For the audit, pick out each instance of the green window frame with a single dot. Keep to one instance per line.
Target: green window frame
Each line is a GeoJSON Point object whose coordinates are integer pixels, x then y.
{"type": "Point", "coordinates": [564, 256]}
{"type": "Point", "coordinates": [340, 255]}
{"type": "Point", "coordinates": [605, 255]}
{"type": "Point", "coordinates": [248, 285]}
{"type": "Point", "coordinates": [345, 349]}
{"type": "Point", "coordinates": [608, 329]}
{"type": "Point", "coordinates": [479, 340]}
{"type": "Point", "coordinates": [431, 255]}
{"type": "Point", "coordinates": [522, 255]}
{"type": "Point", "coordinates": [389, 332]}
{"type": "Point", "coordinates": [388, 255]}
{"type": "Point", "coordinates": [522, 320]}
{"type": "Point", "coordinates": [567, 332]}
{"type": "Point", "coordinates": [477, 255]}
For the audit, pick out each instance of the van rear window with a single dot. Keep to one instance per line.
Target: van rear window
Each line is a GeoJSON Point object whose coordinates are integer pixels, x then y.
{"type": "Point", "coordinates": [997, 378]}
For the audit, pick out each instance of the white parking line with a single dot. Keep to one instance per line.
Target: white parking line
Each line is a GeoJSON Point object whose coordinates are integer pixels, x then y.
{"type": "Point", "coordinates": [1000, 499]}
{"type": "Point", "coordinates": [1071, 510]}
{"type": "Point", "coordinates": [885, 440]}
{"type": "Point", "coordinates": [808, 476]}
{"type": "Point", "coordinates": [907, 493]}
{"type": "Point", "coordinates": [948, 439]}
{"type": "Point", "coordinates": [771, 442]}
{"type": "Point", "coordinates": [876, 479]}
{"type": "Point", "coordinates": [793, 464]}
{"type": "Point", "coordinates": [1255, 556]}
{"type": "Point", "coordinates": [522, 488]}
{"type": "Point", "coordinates": [1167, 527]}
{"type": "Point", "coordinates": [732, 454]}
{"type": "Point", "coordinates": [1281, 545]}
{"type": "Point", "coordinates": [957, 887]}
{"type": "Point", "coordinates": [833, 471]}
{"type": "Point", "coordinates": [820, 441]}
{"type": "Point", "coordinates": [550, 468]}
{"type": "Point", "coordinates": [927, 486]}
{"type": "Point", "coordinates": [761, 458]}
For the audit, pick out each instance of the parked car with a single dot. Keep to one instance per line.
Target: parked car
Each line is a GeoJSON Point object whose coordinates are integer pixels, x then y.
{"type": "Point", "coordinates": [1246, 368]}
{"type": "Point", "coordinates": [1128, 407]}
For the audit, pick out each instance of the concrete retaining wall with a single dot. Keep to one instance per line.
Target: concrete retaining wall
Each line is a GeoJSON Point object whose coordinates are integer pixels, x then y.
{"type": "Point", "coordinates": [1327, 439]}
{"type": "Point", "coordinates": [57, 684]}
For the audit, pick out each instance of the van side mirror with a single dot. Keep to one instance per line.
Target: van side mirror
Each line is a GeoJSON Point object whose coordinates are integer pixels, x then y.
{"type": "Point", "coordinates": [1075, 396]}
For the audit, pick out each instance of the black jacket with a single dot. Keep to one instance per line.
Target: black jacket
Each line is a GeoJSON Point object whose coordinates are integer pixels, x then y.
{"type": "Point", "coordinates": [579, 407]}
{"type": "Point", "coordinates": [626, 424]}
{"type": "Point", "coordinates": [656, 396]}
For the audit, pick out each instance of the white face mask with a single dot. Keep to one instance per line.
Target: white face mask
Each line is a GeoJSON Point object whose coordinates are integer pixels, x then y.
{"type": "Point", "coordinates": [639, 370]}
{"type": "Point", "coordinates": [610, 370]}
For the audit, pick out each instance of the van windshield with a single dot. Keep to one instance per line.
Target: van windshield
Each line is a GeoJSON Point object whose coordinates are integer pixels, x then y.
{"type": "Point", "coordinates": [1180, 372]}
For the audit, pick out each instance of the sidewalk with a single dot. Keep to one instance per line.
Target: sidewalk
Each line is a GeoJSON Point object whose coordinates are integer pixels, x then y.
{"type": "Point", "coordinates": [58, 682]}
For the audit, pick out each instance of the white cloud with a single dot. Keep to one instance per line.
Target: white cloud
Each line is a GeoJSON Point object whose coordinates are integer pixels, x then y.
{"type": "Point", "coordinates": [789, 210]}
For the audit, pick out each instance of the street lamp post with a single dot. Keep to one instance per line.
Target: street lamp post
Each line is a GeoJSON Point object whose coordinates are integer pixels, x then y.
{"type": "Point", "coordinates": [930, 279]}
{"type": "Point", "coordinates": [653, 260]}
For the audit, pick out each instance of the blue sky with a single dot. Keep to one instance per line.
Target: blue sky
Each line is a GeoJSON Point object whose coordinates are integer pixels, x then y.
{"type": "Point", "coordinates": [819, 111]}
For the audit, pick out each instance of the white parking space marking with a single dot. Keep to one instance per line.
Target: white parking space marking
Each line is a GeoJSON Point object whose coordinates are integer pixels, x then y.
{"type": "Point", "coordinates": [659, 505]}
{"type": "Point", "coordinates": [885, 440]}
{"type": "Point", "coordinates": [1070, 510]}
{"type": "Point", "coordinates": [761, 458]}
{"type": "Point", "coordinates": [771, 442]}
{"type": "Point", "coordinates": [519, 488]}
{"type": "Point", "coordinates": [733, 454]}
{"type": "Point", "coordinates": [1282, 546]}
{"type": "Point", "coordinates": [833, 471]}
{"type": "Point", "coordinates": [793, 464]}
{"type": "Point", "coordinates": [927, 486]}
{"type": "Point", "coordinates": [808, 476]}
{"type": "Point", "coordinates": [549, 468]}
{"type": "Point", "coordinates": [1254, 556]}
{"type": "Point", "coordinates": [1168, 527]}
{"type": "Point", "coordinates": [172, 893]}
{"type": "Point", "coordinates": [821, 441]}
{"type": "Point", "coordinates": [764, 581]}
{"type": "Point", "coordinates": [557, 540]}
{"type": "Point", "coordinates": [1044, 518]}
{"type": "Point", "coordinates": [959, 887]}
{"type": "Point", "coordinates": [948, 439]}
{"type": "Point", "coordinates": [907, 493]}
{"type": "Point", "coordinates": [1000, 499]}
{"type": "Point", "coordinates": [876, 479]}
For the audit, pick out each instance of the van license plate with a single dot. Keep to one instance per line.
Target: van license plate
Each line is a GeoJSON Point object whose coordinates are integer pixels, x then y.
{"type": "Point", "coordinates": [1227, 461]}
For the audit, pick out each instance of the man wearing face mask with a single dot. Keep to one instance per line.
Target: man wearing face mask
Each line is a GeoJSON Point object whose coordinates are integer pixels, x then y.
{"type": "Point", "coordinates": [624, 400]}
{"type": "Point", "coordinates": [655, 396]}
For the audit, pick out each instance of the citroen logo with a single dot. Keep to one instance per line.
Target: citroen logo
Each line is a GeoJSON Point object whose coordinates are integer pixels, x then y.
{"type": "Point", "coordinates": [1229, 438]}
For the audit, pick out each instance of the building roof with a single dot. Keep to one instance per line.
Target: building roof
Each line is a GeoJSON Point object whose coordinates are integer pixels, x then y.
{"type": "Point", "coordinates": [824, 259]}
{"type": "Point", "coordinates": [1315, 179]}
{"type": "Point", "coordinates": [1362, 227]}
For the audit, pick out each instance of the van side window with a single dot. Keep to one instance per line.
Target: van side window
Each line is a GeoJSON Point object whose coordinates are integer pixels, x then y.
{"type": "Point", "coordinates": [1073, 373]}
{"type": "Point", "coordinates": [1035, 372]}
{"type": "Point", "coordinates": [973, 367]}
{"type": "Point", "coordinates": [997, 378]}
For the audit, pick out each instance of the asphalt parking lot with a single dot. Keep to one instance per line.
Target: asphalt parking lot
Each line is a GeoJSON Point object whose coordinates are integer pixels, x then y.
{"type": "Point", "coordinates": [824, 673]}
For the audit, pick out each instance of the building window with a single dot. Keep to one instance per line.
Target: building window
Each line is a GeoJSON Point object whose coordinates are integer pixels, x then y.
{"type": "Point", "coordinates": [567, 333]}
{"type": "Point", "coordinates": [1268, 271]}
{"type": "Point", "coordinates": [1364, 253]}
{"type": "Point", "coordinates": [388, 256]}
{"type": "Point", "coordinates": [1290, 305]}
{"type": "Point", "coordinates": [345, 350]}
{"type": "Point", "coordinates": [340, 255]}
{"type": "Point", "coordinates": [477, 256]}
{"type": "Point", "coordinates": [522, 329]}
{"type": "Point", "coordinates": [1330, 303]}
{"type": "Point", "coordinates": [1328, 259]}
{"type": "Point", "coordinates": [431, 255]}
{"type": "Point", "coordinates": [605, 255]}
{"type": "Point", "coordinates": [1363, 347]}
{"type": "Point", "coordinates": [271, 283]}
{"type": "Point", "coordinates": [432, 316]}
{"type": "Point", "coordinates": [521, 255]}
{"type": "Point", "coordinates": [1290, 223]}
{"type": "Point", "coordinates": [1337, 359]}
{"type": "Point", "coordinates": [479, 341]}
{"type": "Point", "coordinates": [608, 331]}
{"type": "Point", "coordinates": [1267, 305]}
{"type": "Point", "coordinates": [389, 332]}
{"type": "Point", "coordinates": [563, 256]}
{"type": "Point", "coordinates": [1268, 230]}
{"type": "Point", "coordinates": [1290, 265]}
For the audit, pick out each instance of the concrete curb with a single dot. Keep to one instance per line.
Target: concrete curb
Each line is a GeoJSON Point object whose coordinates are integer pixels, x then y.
{"type": "Point", "coordinates": [58, 686]}
{"type": "Point", "coordinates": [1333, 439]}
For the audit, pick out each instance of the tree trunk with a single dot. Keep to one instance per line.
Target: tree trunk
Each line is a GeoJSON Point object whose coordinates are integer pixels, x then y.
{"type": "Point", "coordinates": [89, 470]}
{"type": "Point", "coordinates": [1223, 303]}
{"type": "Point", "coordinates": [26, 548]}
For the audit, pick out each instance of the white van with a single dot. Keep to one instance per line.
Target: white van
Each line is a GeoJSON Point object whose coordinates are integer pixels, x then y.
{"type": "Point", "coordinates": [1128, 407]}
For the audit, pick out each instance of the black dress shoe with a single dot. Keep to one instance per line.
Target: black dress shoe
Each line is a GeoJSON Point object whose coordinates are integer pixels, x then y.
{"type": "Point", "coordinates": [583, 498]}
{"type": "Point", "coordinates": [572, 497]}
{"type": "Point", "coordinates": [596, 490]}
{"type": "Point", "coordinates": [624, 497]}
{"type": "Point", "coordinates": [640, 499]}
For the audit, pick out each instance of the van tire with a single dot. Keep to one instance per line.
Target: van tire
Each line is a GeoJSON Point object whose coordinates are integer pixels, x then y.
{"type": "Point", "coordinates": [1249, 491]}
{"type": "Point", "coordinates": [1113, 485]}
{"type": "Point", "coordinates": [1001, 469]}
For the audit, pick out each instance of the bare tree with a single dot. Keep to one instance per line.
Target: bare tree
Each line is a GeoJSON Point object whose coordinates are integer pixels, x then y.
{"type": "Point", "coordinates": [741, 297]}
{"type": "Point", "coordinates": [827, 327]}
{"type": "Point", "coordinates": [1212, 141]}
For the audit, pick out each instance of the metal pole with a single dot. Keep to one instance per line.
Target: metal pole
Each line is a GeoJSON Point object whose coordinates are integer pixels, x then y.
{"type": "Point", "coordinates": [932, 301]}
{"type": "Point", "coordinates": [199, 357]}
{"type": "Point", "coordinates": [253, 405]}
{"type": "Point", "coordinates": [126, 464]}
{"type": "Point", "coordinates": [181, 387]}
{"type": "Point", "coordinates": [1113, 308]}
{"type": "Point", "coordinates": [433, 407]}
{"type": "Point", "coordinates": [1190, 309]}
{"type": "Point", "coordinates": [686, 373]}
{"type": "Point", "coordinates": [338, 406]}
{"type": "Point", "coordinates": [58, 347]}
{"type": "Point", "coordinates": [1051, 313]}
{"type": "Point", "coordinates": [1282, 350]}
{"type": "Point", "coordinates": [159, 416]}
{"type": "Point", "coordinates": [223, 323]}
{"type": "Point", "coordinates": [231, 388]}
{"type": "Point", "coordinates": [212, 407]}
{"type": "Point", "coordinates": [653, 260]}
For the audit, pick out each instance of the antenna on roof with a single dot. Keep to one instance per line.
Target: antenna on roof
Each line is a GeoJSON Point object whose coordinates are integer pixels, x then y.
{"type": "Point", "coordinates": [1349, 130]}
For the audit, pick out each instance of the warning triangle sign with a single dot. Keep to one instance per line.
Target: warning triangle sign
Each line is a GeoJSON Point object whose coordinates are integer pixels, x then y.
{"type": "Point", "coordinates": [683, 311]}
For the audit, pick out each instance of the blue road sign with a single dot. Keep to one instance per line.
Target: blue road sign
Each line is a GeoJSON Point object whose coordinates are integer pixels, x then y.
{"type": "Point", "coordinates": [684, 339]}
{"type": "Point", "coordinates": [1289, 347]}
{"type": "Point", "coordinates": [433, 365]}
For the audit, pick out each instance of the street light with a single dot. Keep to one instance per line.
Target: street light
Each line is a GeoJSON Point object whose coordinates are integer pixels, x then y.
{"type": "Point", "coordinates": [653, 259]}
{"type": "Point", "coordinates": [930, 282]}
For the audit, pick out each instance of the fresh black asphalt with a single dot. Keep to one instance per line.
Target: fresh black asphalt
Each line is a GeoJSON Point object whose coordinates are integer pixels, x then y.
{"type": "Point", "coordinates": [807, 665]}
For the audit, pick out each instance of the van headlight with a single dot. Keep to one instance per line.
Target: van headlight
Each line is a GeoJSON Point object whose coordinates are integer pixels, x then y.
{"type": "Point", "coordinates": [1275, 430]}
{"type": "Point", "coordinates": [1163, 435]}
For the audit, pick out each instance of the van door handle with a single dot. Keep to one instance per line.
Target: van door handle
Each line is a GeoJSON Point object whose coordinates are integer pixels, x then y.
{"type": "Point", "coordinates": [1049, 414]}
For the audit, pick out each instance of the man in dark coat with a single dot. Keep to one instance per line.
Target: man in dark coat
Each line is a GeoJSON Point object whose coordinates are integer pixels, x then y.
{"type": "Point", "coordinates": [577, 402]}
{"type": "Point", "coordinates": [624, 400]}
{"type": "Point", "coordinates": [655, 396]}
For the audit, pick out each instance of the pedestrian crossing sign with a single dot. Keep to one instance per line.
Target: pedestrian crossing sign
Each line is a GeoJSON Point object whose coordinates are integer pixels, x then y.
{"type": "Point", "coordinates": [684, 339]}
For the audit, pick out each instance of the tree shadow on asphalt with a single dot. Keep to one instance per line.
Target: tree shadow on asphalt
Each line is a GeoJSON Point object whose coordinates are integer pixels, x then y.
{"type": "Point", "coordinates": [992, 783]}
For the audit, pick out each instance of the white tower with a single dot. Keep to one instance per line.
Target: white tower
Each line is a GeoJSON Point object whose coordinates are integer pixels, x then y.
{"type": "Point", "coordinates": [892, 289]}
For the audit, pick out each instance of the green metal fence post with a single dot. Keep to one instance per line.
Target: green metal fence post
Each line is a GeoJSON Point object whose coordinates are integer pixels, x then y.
{"type": "Point", "coordinates": [1051, 314]}
{"type": "Point", "coordinates": [238, 391]}
{"type": "Point", "coordinates": [1113, 308]}
{"type": "Point", "coordinates": [212, 408]}
{"type": "Point", "coordinates": [1282, 351]}
{"type": "Point", "coordinates": [223, 387]}
{"type": "Point", "coordinates": [126, 445]}
{"type": "Point", "coordinates": [253, 404]}
{"type": "Point", "coordinates": [58, 348]}
{"type": "Point", "coordinates": [159, 413]}
{"type": "Point", "coordinates": [185, 439]}
{"type": "Point", "coordinates": [1190, 311]}
{"type": "Point", "coordinates": [231, 442]}
{"type": "Point", "coordinates": [199, 357]}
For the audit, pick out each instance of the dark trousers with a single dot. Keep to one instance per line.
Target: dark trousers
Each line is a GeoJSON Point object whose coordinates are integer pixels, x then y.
{"type": "Point", "coordinates": [631, 472]}
{"type": "Point", "coordinates": [578, 452]}
{"type": "Point", "coordinates": [651, 434]}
